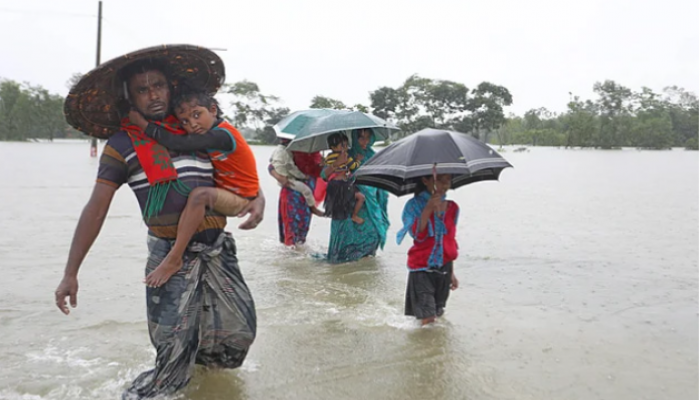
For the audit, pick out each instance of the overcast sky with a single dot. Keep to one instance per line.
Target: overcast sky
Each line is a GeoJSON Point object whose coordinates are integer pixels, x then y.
{"type": "Point", "coordinates": [295, 49]}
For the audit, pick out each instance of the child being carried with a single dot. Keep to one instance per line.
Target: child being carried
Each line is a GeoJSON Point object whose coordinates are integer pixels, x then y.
{"type": "Point", "coordinates": [283, 164]}
{"type": "Point", "coordinates": [341, 191]}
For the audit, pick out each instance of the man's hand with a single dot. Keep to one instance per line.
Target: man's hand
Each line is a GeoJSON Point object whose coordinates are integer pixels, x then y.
{"type": "Point", "coordinates": [136, 118]}
{"type": "Point", "coordinates": [256, 209]}
{"type": "Point", "coordinates": [89, 225]}
{"type": "Point", "coordinates": [67, 288]}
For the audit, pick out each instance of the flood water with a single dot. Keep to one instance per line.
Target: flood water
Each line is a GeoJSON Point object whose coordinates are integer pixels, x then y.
{"type": "Point", "coordinates": [578, 272]}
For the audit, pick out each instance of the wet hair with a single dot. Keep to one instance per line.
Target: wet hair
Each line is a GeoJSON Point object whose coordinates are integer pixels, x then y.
{"type": "Point", "coordinates": [336, 139]}
{"type": "Point", "coordinates": [200, 98]}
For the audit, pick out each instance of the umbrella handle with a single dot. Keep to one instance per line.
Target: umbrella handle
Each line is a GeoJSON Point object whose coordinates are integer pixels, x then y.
{"type": "Point", "coordinates": [434, 178]}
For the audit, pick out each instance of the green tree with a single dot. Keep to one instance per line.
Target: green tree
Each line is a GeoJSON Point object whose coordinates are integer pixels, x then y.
{"type": "Point", "coordinates": [421, 102]}
{"type": "Point", "coordinates": [486, 106]}
{"type": "Point", "coordinates": [327, 102]}
{"type": "Point", "coordinates": [614, 103]}
{"type": "Point", "coordinates": [47, 120]}
{"type": "Point", "coordinates": [361, 108]}
{"type": "Point", "coordinates": [11, 94]}
{"type": "Point", "coordinates": [536, 126]}
{"type": "Point", "coordinates": [533, 118]}
{"type": "Point", "coordinates": [255, 110]}
{"type": "Point", "coordinates": [30, 112]}
{"type": "Point", "coordinates": [652, 126]}
{"type": "Point", "coordinates": [385, 103]}
{"type": "Point", "coordinates": [411, 111]}
{"type": "Point", "coordinates": [653, 130]}
{"type": "Point", "coordinates": [251, 107]}
{"type": "Point", "coordinates": [683, 110]}
{"type": "Point", "coordinates": [507, 133]}
{"type": "Point", "coordinates": [580, 123]}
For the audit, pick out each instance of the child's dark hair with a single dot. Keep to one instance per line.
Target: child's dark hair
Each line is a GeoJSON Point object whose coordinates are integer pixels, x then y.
{"type": "Point", "coordinates": [201, 98]}
{"type": "Point", "coordinates": [336, 139]}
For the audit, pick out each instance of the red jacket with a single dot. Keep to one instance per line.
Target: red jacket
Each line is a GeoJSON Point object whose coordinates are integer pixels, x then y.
{"type": "Point", "coordinates": [423, 243]}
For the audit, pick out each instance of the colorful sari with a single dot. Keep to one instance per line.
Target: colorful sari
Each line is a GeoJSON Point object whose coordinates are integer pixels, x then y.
{"type": "Point", "coordinates": [350, 241]}
{"type": "Point", "coordinates": [294, 215]}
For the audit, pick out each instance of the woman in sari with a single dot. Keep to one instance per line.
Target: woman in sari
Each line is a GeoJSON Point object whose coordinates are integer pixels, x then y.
{"type": "Point", "coordinates": [293, 214]}
{"type": "Point", "coordinates": [350, 241]}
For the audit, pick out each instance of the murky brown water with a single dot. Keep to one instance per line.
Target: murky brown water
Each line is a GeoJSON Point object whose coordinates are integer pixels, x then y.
{"type": "Point", "coordinates": [579, 280]}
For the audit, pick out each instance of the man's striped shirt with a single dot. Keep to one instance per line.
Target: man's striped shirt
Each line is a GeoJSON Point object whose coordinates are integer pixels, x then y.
{"type": "Point", "coordinates": [119, 165]}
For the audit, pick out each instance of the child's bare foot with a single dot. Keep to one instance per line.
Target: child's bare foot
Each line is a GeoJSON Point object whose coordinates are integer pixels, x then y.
{"type": "Point", "coordinates": [356, 219]}
{"type": "Point", "coordinates": [163, 272]}
{"type": "Point", "coordinates": [317, 212]}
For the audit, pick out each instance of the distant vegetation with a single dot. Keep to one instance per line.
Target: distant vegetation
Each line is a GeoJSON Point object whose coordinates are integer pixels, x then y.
{"type": "Point", "coordinates": [617, 117]}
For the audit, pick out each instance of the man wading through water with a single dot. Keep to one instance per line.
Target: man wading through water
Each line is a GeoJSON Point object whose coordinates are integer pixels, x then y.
{"type": "Point", "coordinates": [204, 314]}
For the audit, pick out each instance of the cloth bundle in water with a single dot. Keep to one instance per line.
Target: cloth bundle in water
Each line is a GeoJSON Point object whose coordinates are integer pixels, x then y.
{"type": "Point", "coordinates": [204, 315]}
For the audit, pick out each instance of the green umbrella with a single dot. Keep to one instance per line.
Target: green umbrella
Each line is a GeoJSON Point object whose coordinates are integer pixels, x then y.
{"type": "Point", "coordinates": [309, 129]}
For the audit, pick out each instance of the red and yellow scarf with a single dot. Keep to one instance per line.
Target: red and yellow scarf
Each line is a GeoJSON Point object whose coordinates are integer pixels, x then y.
{"type": "Point", "coordinates": [156, 163]}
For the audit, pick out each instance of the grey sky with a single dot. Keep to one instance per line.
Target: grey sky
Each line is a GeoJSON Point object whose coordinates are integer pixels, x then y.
{"type": "Point", "coordinates": [539, 49]}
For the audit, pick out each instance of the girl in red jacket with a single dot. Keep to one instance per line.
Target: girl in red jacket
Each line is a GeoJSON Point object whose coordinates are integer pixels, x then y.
{"type": "Point", "coordinates": [431, 220]}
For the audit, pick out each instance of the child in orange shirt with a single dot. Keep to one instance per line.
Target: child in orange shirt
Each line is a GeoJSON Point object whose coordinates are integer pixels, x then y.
{"type": "Point", "coordinates": [235, 171]}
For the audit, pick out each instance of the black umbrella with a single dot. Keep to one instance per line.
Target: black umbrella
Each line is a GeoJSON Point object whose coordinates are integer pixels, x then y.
{"type": "Point", "coordinates": [400, 165]}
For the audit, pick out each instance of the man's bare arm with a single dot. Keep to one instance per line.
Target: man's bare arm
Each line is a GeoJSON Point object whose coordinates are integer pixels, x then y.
{"type": "Point", "coordinates": [89, 226]}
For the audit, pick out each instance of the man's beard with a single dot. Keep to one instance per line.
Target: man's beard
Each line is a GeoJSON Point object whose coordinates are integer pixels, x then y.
{"type": "Point", "coordinates": [156, 117]}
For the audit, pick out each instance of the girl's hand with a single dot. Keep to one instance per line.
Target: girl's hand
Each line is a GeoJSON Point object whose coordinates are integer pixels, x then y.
{"type": "Point", "coordinates": [454, 284]}
{"type": "Point", "coordinates": [359, 157]}
{"type": "Point", "coordinates": [434, 202]}
{"type": "Point", "coordinates": [137, 119]}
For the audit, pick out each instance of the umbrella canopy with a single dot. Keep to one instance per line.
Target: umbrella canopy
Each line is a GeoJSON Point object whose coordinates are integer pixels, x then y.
{"type": "Point", "coordinates": [309, 129]}
{"type": "Point", "coordinates": [400, 165]}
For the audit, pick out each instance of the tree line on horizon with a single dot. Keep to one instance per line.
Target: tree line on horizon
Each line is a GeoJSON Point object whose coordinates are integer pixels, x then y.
{"type": "Point", "coordinates": [616, 117]}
